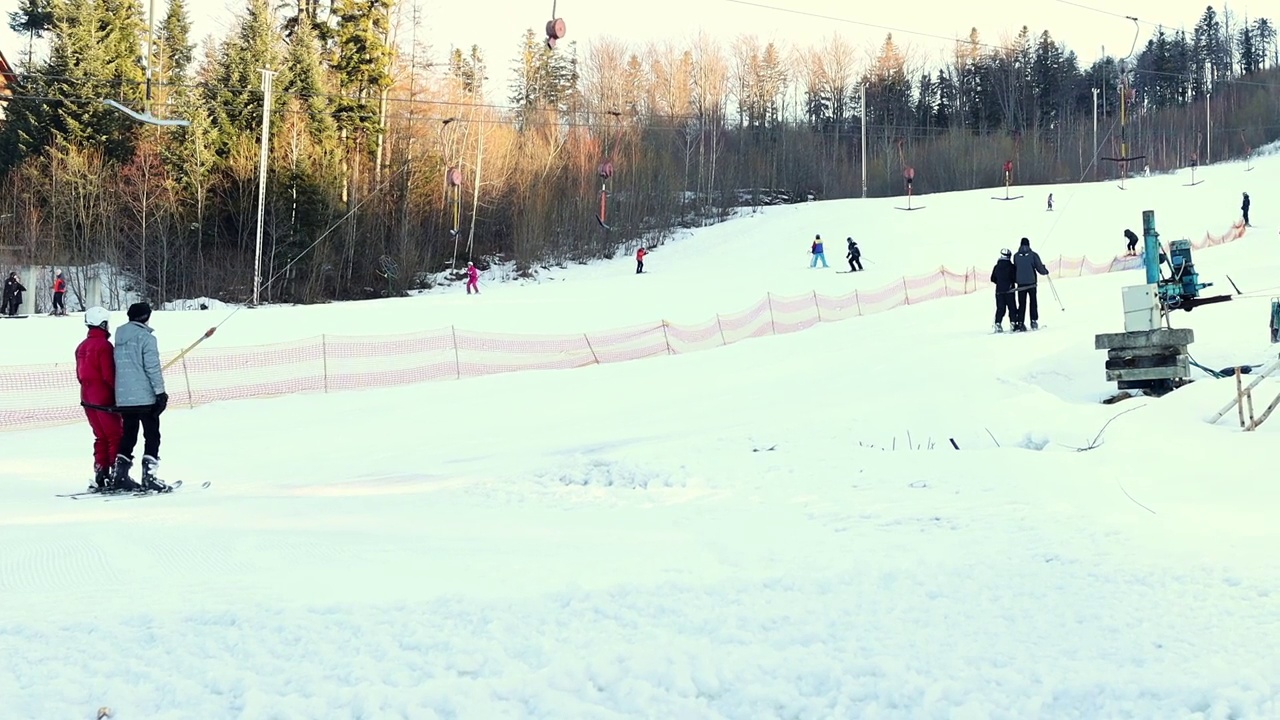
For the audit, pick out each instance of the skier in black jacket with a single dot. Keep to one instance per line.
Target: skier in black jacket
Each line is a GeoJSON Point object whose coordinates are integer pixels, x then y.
{"type": "Point", "coordinates": [1133, 242]}
{"type": "Point", "coordinates": [1028, 265]}
{"type": "Point", "coordinates": [1003, 275]}
{"type": "Point", "coordinates": [1244, 208]}
{"type": "Point", "coordinates": [854, 256]}
{"type": "Point", "coordinates": [13, 290]}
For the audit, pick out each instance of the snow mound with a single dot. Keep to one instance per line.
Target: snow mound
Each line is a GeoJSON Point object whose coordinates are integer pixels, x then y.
{"type": "Point", "coordinates": [600, 472]}
{"type": "Point", "coordinates": [200, 303]}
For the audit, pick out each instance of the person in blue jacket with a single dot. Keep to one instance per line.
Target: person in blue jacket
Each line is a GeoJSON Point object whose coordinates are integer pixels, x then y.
{"type": "Point", "coordinates": [140, 397]}
{"type": "Point", "coordinates": [816, 250]}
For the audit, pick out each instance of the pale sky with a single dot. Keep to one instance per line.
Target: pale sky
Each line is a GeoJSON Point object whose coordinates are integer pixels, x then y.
{"type": "Point", "coordinates": [497, 25]}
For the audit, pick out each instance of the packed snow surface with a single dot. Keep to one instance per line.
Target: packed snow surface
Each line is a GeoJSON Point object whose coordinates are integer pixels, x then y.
{"type": "Point", "coordinates": [781, 528]}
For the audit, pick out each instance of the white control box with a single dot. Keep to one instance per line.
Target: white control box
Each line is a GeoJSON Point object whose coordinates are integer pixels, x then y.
{"type": "Point", "coordinates": [1141, 308]}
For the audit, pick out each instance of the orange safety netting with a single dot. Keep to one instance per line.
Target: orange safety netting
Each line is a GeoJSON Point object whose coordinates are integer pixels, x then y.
{"type": "Point", "coordinates": [43, 395]}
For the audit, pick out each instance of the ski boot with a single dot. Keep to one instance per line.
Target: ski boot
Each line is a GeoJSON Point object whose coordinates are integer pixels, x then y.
{"type": "Point", "coordinates": [124, 483]}
{"type": "Point", "coordinates": [1035, 325]}
{"type": "Point", "coordinates": [999, 327]}
{"type": "Point", "coordinates": [150, 482]}
{"type": "Point", "coordinates": [101, 479]}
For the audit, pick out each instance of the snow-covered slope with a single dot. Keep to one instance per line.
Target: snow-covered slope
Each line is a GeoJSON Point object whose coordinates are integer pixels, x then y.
{"type": "Point", "coordinates": [781, 528]}
{"type": "Point", "coordinates": [728, 267]}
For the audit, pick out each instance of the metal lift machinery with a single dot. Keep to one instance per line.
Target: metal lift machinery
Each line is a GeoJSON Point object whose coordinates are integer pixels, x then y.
{"type": "Point", "coordinates": [1181, 289]}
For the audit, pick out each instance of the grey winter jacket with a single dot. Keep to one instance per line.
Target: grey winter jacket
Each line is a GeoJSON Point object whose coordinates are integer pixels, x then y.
{"type": "Point", "coordinates": [138, 376]}
{"type": "Point", "coordinates": [1027, 261]}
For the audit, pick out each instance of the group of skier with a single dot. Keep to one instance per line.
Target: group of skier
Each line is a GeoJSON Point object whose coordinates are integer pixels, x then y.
{"type": "Point", "coordinates": [122, 390]}
{"type": "Point", "coordinates": [13, 289]}
{"type": "Point", "coordinates": [853, 255]}
{"type": "Point", "coordinates": [1014, 276]}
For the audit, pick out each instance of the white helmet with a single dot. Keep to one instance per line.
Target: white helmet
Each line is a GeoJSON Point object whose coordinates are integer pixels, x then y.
{"type": "Point", "coordinates": [96, 316]}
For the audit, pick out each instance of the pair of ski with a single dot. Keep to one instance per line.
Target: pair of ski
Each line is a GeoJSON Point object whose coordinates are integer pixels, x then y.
{"type": "Point", "coordinates": [1018, 332]}
{"type": "Point", "coordinates": [125, 494]}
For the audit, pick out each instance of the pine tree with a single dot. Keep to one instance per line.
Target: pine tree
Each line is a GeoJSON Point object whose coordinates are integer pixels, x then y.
{"type": "Point", "coordinates": [33, 18]}
{"type": "Point", "coordinates": [468, 71]}
{"type": "Point", "coordinates": [944, 108]}
{"type": "Point", "coordinates": [174, 45]}
{"type": "Point", "coordinates": [888, 90]}
{"type": "Point", "coordinates": [361, 64]}
{"type": "Point", "coordinates": [304, 76]}
{"type": "Point", "coordinates": [235, 111]}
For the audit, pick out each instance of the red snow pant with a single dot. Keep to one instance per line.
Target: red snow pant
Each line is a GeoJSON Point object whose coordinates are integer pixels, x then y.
{"type": "Point", "coordinates": [472, 284]}
{"type": "Point", "coordinates": [107, 427]}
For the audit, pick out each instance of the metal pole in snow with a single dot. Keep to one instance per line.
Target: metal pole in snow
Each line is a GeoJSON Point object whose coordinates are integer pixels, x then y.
{"type": "Point", "coordinates": [267, 76]}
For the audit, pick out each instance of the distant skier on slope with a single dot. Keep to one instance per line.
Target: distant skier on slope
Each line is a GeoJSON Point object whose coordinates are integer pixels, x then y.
{"type": "Point", "coordinates": [12, 298]}
{"type": "Point", "coordinates": [1244, 209]}
{"type": "Point", "coordinates": [59, 292]}
{"type": "Point", "coordinates": [1133, 242]}
{"type": "Point", "coordinates": [1004, 276]}
{"type": "Point", "coordinates": [640, 253]}
{"type": "Point", "coordinates": [1028, 264]}
{"type": "Point", "coordinates": [96, 373]}
{"type": "Point", "coordinates": [816, 251]}
{"type": "Point", "coordinates": [854, 256]}
{"type": "Point", "coordinates": [473, 278]}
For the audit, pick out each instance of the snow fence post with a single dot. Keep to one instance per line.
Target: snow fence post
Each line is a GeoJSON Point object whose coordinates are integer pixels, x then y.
{"type": "Point", "coordinates": [666, 339]}
{"type": "Point", "coordinates": [773, 328]}
{"type": "Point", "coordinates": [593, 350]}
{"type": "Point", "coordinates": [857, 302]}
{"type": "Point", "coordinates": [324, 359]}
{"type": "Point", "coordinates": [816, 306]}
{"type": "Point", "coordinates": [905, 292]}
{"type": "Point", "coordinates": [1059, 266]}
{"type": "Point", "coordinates": [457, 363]}
{"type": "Point", "coordinates": [946, 290]}
{"type": "Point", "coordinates": [723, 342]}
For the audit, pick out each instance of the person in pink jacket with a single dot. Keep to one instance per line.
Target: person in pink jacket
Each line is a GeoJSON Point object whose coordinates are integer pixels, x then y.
{"type": "Point", "coordinates": [473, 278]}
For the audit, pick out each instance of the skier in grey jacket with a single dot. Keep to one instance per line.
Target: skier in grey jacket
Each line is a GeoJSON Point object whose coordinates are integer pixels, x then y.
{"type": "Point", "coordinates": [140, 397]}
{"type": "Point", "coordinates": [1027, 264]}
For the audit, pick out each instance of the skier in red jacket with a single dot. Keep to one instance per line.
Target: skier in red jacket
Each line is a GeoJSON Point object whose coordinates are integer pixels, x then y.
{"type": "Point", "coordinates": [96, 371]}
{"type": "Point", "coordinates": [59, 293]}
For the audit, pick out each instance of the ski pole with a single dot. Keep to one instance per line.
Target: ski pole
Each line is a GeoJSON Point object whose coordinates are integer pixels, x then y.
{"type": "Point", "coordinates": [1055, 293]}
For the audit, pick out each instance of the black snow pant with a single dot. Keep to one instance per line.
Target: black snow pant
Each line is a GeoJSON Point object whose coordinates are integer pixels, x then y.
{"type": "Point", "coordinates": [59, 307]}
{"type": "Point", "coordinates": [1025, 294]}
{"type": "Point", "coordinates": [150, 422]}
{"type": "Point", "coordinates": [855, 264]}
{"type": "Point", "coordinates": [639, 266]}
{"type": "Point", "coordinates": [1005, 302]}
{"type": "Point", "coordinates": [1245, 210]}
{"type": "Point", "coordinates": [1133, 246]}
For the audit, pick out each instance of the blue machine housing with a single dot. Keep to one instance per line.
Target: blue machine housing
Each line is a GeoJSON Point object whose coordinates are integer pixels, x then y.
{"type": "Point", "coordinates": [1183, 284]}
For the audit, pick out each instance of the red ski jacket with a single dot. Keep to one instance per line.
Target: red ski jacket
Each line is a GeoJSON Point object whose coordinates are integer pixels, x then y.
{"type": "Point", "coordinates": [96, 369]}
{"type": "Point", "coordinates": [640, 254]}
{"type": "Point", "coordinates": [59, 285]}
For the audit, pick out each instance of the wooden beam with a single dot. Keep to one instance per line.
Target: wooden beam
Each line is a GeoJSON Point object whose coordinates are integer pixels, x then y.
{"type": "Point", "coordinates": [1150, 361]}
{"type": "Point", "coordinates": [1146, 338]}
{"type": "Point", "coordinates": [1125, 353]}
{"type": "Point", "coordinates": [1161, 373]}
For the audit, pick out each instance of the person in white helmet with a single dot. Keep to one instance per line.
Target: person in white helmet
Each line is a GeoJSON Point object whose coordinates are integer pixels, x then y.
{"type": "Point", "coordinates": [96, 372]}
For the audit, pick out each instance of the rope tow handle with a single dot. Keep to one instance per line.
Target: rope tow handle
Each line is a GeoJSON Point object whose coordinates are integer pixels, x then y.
{"type": "Point", "coordinates": [207, 334]}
